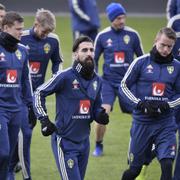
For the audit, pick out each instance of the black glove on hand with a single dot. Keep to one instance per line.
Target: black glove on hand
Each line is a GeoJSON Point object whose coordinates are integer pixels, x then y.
{"type": "Point", "coordinates": [32, 117]}
{"type": "Point", "coordinates": [164, 106]}
{"type": "Point", "coordinates": [47, 127]}
{"type": "Point", "coordinates": [102, 117]}
{"type": "Point", "coordinates": [148, 107]}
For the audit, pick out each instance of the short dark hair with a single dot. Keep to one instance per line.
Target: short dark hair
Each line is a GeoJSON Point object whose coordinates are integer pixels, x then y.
{"type": "Point", "coordinates": [11, 17]}
{"type": "Point", "coordinates": [79, 41]}
{"type": "Point", "coordinates": [169, 32]}
{"type": "Point", "coordinates": [2, 7]}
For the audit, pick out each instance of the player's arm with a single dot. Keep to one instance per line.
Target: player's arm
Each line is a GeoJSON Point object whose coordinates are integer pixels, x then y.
{"type": "Point", "coordinates": [57, 57]}
{"type": "Point", "coordinates": [98, 50]}
{"type": "Point", "coordinates": [171, 8]}
{"type": "Point", "coordinates": [138, 47]}
{"type": "Point", "coordinates": [130, 79]}
{"type": "Point", "coordinates": [77, 9]}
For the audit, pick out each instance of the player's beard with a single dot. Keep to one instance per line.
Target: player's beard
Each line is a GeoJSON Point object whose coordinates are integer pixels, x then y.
{"type": "Point", "coordinates": [87, 70]}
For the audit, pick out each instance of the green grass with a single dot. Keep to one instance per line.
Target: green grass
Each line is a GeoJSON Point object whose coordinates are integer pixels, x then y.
{"type": "Point", "coordinates": [114, 161]}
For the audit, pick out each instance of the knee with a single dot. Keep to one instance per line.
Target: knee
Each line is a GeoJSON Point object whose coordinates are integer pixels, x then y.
{"type": "Point", "coordinates": [131, 173]}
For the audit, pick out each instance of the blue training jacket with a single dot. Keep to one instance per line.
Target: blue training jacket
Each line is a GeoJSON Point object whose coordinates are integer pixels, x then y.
{"type": "Point", "coordinates": [77, 103]}
{"type": "Point", "coordinates": [118, 48]}
{"type": "Point", "coordinates": [153, 82]}
{"type": "Point", "coordinates": [173, 8]}
{"type": "Point", "coordinates": [15, 82]}
{"type": "Point", "coordinates": [174, 23]}
{"type": "Point", "coordinates": [84, 15]}
{"type": "Point", "coordinates": [40, 52]}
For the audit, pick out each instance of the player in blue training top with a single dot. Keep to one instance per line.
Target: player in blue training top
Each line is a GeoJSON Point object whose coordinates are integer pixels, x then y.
{"type": "Point", "coordinates": [43, 46]}
{"type": "Point", "coordinates": [118, 44]}
{"type": "Point", "coordinates": [157, 79]}
{"type": "Point", "coordinates": [78, 103]}
{"type": "Point", "coordinates": [84, 18]}
{"type": "Point", "coordinates": [173, 8]}
{"type": "Point", "coordinates": [174, 23]}
{"type": "Point", "coordinates": [14, 85]}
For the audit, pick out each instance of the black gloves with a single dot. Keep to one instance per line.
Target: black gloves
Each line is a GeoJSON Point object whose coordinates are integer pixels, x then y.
{"type": "Point", "coordinates": [102, 117]}
{"type": "Point", "coordinates": [153, 107]}
{"type": "Point", "coordinates": [32, 117]}
{"type": "Point", "coordinates": [164, 107]}
{"type": "Point", "coordinates": [47, 127]}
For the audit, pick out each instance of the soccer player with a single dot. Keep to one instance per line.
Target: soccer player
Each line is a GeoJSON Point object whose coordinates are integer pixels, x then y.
{"type": "Point", "coordinates": [174, 23]}
{"type": "Point", "coordinates": [119, 44]}
{"type": "Point", "coordinates": [84, 18]}
{"type": "Point", "coordinates": [78, 103]}
{"type": "Point", "coordinates": [157, 79]}
{"type": "Point", "coordinates": [173, 8]}
{"type": "Point", "coordinates": [2, 14]}
{"type": "Point", "coordinates": [15, 86]}
{"type": "Point", "coordinates": [43, 46]}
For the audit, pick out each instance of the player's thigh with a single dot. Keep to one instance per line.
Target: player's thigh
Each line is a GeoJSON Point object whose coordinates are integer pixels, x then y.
{"type": "Point", "coordinates": [166, 141]}
{"type": "Point", "coordinates": [140, 144]}
{"type": "Point", "coordinates": [108, 94]}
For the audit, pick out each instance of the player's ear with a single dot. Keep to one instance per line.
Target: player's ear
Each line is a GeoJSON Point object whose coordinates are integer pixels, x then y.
{"type": "Point", "coordinates": [75, 55]}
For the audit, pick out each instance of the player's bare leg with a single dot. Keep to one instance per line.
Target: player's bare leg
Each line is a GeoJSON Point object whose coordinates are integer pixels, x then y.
{"type": "Point", "coordinates": [99, 134]}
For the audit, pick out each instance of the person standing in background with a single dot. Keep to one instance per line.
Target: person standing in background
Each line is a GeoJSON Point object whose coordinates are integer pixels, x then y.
{"type": "Point", "coordinates": [173, 8]}
{"type": "Point", "coordinates": [174, 23]}
{"type": "Point", "coordinates": [15, 86]}
{"type": "Point", "coordinates": [84, 18]}
{"type": "Point", "coordinates": [43, 46]}
{"type": "Point", "coordinates": [119, 44]}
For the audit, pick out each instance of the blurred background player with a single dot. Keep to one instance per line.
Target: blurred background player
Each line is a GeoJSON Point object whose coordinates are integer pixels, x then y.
{"type": "Point", "coordinates": [78, 103]}
{"type": "Point", "coordinates": [157, 79]}
{"type": "Point", "coordinates": [15, 87]}
{"type": "Point", "coordinates": [173, 8]}
{"type": "Point", "coordinates": [43, 46]}
{"type": "Point", "coordinates": [174, 23]}
{"type": "Point", "coordinates": [119, 44]}
{"type": "Point", "coordinates": [2, 14]}
{"type": "Point", "coordinates": [84, 18]}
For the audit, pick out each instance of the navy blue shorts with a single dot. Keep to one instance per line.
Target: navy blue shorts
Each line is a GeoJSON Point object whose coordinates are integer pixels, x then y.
{"type": "Point", "coordinates": [143, 136]}
{"type": "Point", "coordinates": [109, 94]}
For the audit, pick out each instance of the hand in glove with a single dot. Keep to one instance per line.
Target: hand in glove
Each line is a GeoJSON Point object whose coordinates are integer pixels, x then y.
{"type": "Point", "coordinates": [32, 117]}
{"type": "Point", "coordinates": [47, 127]}
{"type": "Point", "coordinates": [102, 117]}
{"type": "Point", "coordinates": [163, 106]}
{"type": "Point", "coordinates": [148, 107]}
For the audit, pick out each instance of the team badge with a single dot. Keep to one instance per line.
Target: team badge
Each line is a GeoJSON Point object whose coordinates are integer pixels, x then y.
{"type": "Point", "coordinates": [84, 107]}
{"type": "Point", "coordinates": [34, 67]}
{"type": "Point", "coordinates": [2, 57]}
{"type": "Point", "coordinates": [95, 85]}
{"type": "Point", "coordinates": [75, 84]}
{"type": "Point", "coordinates": [47, 48]}
{"type": "Point", "coordinates": [170, 69]}
{"type": "Point", "coordinates": [70, 163]}
{"type": "Point", "coordinates": [11, 76]}
{"type": "Point", "coordinates": [158, 89]}
{"type": "Point", "coordinates": [126, 39]}
{"type": "Point", "coordinates": [18, 54]}
{"type": "Point", "coordinates": [109, 42]}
